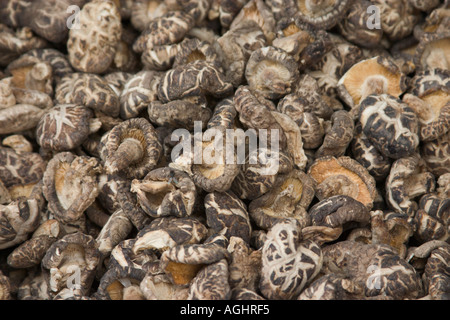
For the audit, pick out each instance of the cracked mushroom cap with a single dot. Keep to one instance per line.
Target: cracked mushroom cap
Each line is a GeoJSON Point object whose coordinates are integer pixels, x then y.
{"type": "Point", "coordinates": [374, 267]}
{"type": "Point", "coordinates": [289, 197]}
{"type": "Point", "coordinates": [436, 155]}
{"type": "Point", "coordinates": [89, 90]}
{"type": "Point", "coordinates": [245, 265]}
{"type": "Point", "coordinates": [65, 127]}
{"type": "Point", "coordinates": [338, 137]}
{"type": "Point", "coordinates": [11, 11]}
{"type": "Point", "coordinates": [366, 154]}
{"type": "Point", "coordinates": [259, 12]}
{"type": "Point", "coordinates": [226, 214]}
{"type": "Point", "coordinates": [13, 43]}
{"type": "Point", "coordinates": [169, 28]}
{"type": "Point", "coordinates": [433, 51]}
{"type": "Point", "coordinates": [211, 283]}
{"type": "Point", "coordinates": [138, 92]}
{"type": "Point", "coordinates": [164, 192]}
{"type": "Point", "coordinates": [433, 112]}
{"type": "Point", "coordinates": [437, 274]}
{"type": "Point", "coordinates": [167, 232]}
{"type": "Point", "coordinates": [183, 262]}
{"type": "Point", "coordinates": [254, 180]}
{"type": "Point", "coordinates": [271, 72]}
{"type": "Point", "coordinates": [195, 79]}
{"type": "Point", "coordinates": [131, 148]}
{"type": "Point", "coordinates": [343, 176]}
{"type": "Point", "coordinates": [407, 180]}
{"type": "Point", "coordinates": [70, 185]}
{"type": "Point", "coordinates": [431, 219]}
{"type": "Point", "coordinates": [75, 253]}
{"type": "Point", "coordinates": [288, 263]}
{"type": "Point", "coordinates": [121, 283]}
{"type": "Point", "coordinates": [339, 210]}
{"type": "Point", "coordinates": [20, 171]}
{"type": "Point", "coordinates": [375, 75]}
{"type": "Point", "coordinates": [20, 218]}
{"type": "Point", "coordinates": [397, 18]}
{"type": "Point", "coordinates": [390, 125]}
{"type": "Point", "coordinates": [354, 25]}
{"type": "Point", "coordinates": [321, 14]}
{"type": "Point", "coordinates": [48, 19]}
{"type": "Point", "coordinates": [32, 251]}
{"type": "Point", "coordinates": [92, 45]}
{"type": "Point", "coordinates": [257, 116]}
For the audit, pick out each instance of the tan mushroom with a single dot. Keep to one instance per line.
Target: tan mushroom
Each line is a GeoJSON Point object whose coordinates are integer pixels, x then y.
{"type": "Point", "coordinates": [343, 176]}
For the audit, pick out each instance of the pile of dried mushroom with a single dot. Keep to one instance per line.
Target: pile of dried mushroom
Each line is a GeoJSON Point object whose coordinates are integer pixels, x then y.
{"type": "Point", "coordinates": [94, 206]}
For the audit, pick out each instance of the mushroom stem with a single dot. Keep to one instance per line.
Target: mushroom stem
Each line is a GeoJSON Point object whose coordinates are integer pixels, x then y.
{"type": "Point", "coordinates": [130, 151]}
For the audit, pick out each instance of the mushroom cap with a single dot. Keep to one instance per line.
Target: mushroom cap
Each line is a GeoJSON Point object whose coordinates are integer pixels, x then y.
{"type": "Point", "coordinates": [289, 197]}
{"type": "Point", "coordinates": [169, 28]}
{"type": "Point", "coordinates": [338, 210]}
{"type": "Point", "coordinates": [271, 72]}
{"type": "Point", "coordinates": [432, 51]}
{"type": "Point", "coordinates": [376, 75]}
{"type": "Point", "coordinates": [19, 117]}
{"type": "Point", "coordinates": [288, 265]}
{"type": "Point", "coordinates": [70, 185]}
{"type": "Point", "coordinates": [323, 15]}
{"type": "Point", "coordinates": [390, 125]}
{"type": "Point", "coordinates": [114, 282]}
{"type": "Point", "coordinates": [227, 214]}
{"type": "Point", "coordinates": [92, 46]}
{"type": "Point", "coordinates": [76, 250]}
{"type": "Point", "coordinates": [166, 191]}
{"type": "Point", "coordinates": [436, 155]}
{"type": "Point", "coordinates": [89, 90]}
{"type": "Point", "coordinates": [136, 129]}
{"type": "Point", "coordinates": [138, 92]}
{"type": "Point", "coordinates": [167, 232]}
{"type": "Point", "coordinates": [64, 127]}
{"type": "Point", "coordinates": [211, 283]}
{"type": "Point", "coordinates": [343, 176]}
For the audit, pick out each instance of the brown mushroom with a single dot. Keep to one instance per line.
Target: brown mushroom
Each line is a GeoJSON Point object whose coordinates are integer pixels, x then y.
{"type": "Point", "coordinates": [343, 176]}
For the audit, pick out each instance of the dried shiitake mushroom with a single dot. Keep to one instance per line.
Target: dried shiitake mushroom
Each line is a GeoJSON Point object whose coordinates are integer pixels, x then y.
{"type": "Point", "coordinates": [167, 232]}
{"type": "Point", "coordinates": [432, 51]}
{"type": "Point", "coordinates": [131, 147]}
{"type": "Point", "coordinates": [74, 254]}
{"type": "Point", "coordinates": [288, 263]}
{"type": "Point", "coordinates": [227, 214]}
{"type": "Point", "coordinates": [390, 125]}
{"type": "Point", "coordinates": [289, 197]}
{"type": "Point", "coordinates": [182, 263]}
{"type": "Point", "coordinates": [70, 185]}
{"type": "Point", "coordinates": [93, 41]}
{"type": "Point", "coordinates": [164, 192]}
{"type": "Point", "coordinates": [65, 127]}
{"type": "Point", "coordinates": [407, 180]}
{"type": "Point", "coordinates": [376, 75]}
{"type": "Point", "coordinates": [211, 283]}
{"type": "Point", "coordinates": [271, 72]}
{"type": "Point", "coordinates": [343, 176]}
